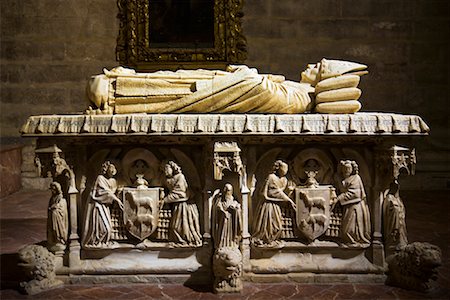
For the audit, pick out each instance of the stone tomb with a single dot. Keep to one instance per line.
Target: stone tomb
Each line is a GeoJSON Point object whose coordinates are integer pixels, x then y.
{"type": "Point", "coordinates": [234, 197]}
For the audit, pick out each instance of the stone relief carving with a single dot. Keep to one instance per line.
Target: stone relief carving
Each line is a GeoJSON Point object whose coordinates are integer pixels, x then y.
{"type": "Point", "coordinates": [394, 220]}
{"type": "Point", "coordinates": [227, 268]}
{"type": "Point", "coordinates": [57, 220]}
{"type": "Point", "coordinates": [227, 157]}
{"type": "Point", "coordinates": [268, 222]}
{"type": "Point", "coordinates": [239, 89]}
{"type": "Point", "coordinates": [141, 210]}
{"type": "Point", "coordinates": [394, 162]}
{"type": "Point", "coordinates": [226, 219]}
{"type": "Point", "coordinates": [185, 223]}
{"type": "Point", "coordinates": [227, 234]}
{"type": "Point", "coordinates": [313, 207]}
{"type": "Point", "coordinates": [414, 266]}
{"type": "Point", "coordinates": [97, 221]}
{"type": "Point", "coordinates": [39, 266]}
{"type": "Point", "coordinates": [355, 228]}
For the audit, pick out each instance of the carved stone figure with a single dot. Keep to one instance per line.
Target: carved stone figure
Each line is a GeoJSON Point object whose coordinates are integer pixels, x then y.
{"type": "Point", "coordinates": [97, 231]}
{"type": "Point", "coordinates": [268, 222]}
{"type": "Point", "coordinates": [227, 233]}
{"type": "Point", "coordinates": [38, 165]}
{"type": "Point", "coordinates": [39, 266]}
{"type": "Point", "coordinates": [226, 219]}
{"type": "Point", "coordinates": [355, 228]}
{"type": "Point", "coordinates": [394, 223]}
{"type": "Point", "coordinates": [238, 89]}
{"type": "Point", "coordinates": [184, 225]}
{"type": "Point", "coordinates": [413, 266]}
{"type": "Point", "coordinates": [57, 220]}
{"type": "Point", "coordinates": [227, 268]}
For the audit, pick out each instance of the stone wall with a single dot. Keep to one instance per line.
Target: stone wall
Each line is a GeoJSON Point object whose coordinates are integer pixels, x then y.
{"type": "Point", "coordinates": [50, 47]}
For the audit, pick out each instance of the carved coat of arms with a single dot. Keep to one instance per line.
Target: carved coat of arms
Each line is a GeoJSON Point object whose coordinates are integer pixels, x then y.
{"type": "Point", "coordinates": [141, 211]}
{"type": "Point", "coordinates": [313, 210]}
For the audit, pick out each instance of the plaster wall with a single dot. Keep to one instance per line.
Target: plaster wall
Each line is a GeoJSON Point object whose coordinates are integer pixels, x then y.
{"type": "Point", "coordinates": [50, 47]}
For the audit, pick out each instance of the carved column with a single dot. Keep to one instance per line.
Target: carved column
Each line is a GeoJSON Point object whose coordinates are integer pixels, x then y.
{"type": "Point", "coordinates": [229, 255]}
{"type": "Point", "coordinates": [65, 176]}
{"type": "Point", "coordinates": [390, 163]}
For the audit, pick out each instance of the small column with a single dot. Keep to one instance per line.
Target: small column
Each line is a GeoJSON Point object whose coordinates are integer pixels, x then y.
{"type": "Point", "coordinates": [245, 191]}
{"type": "Point", "coordinates": [74, 239]}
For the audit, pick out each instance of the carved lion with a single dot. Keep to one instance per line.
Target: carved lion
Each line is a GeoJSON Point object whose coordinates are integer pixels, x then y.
{"type": "Point", "coordinates": [38, 264]}
{"type": "Point", "coordinates": [413, 266]}
{"type": "Point", "coordinates": [227, 265]}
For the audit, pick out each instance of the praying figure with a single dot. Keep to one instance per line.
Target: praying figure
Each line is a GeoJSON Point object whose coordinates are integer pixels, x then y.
{"type": "Point", "coordinates": [184, 228]}
{"type": "Point", "coordinates": [268, 223]}
{"type": "Point", "coordinates": [98, 227]}
{"type": "Point", "coordinates": [226, 219]}
{"type": "Point", "coordinates": [57, 220]}
{"type": "Point", "coordinates": [355, 228]}
{"type": "Point", "coordinates": [394, 223]}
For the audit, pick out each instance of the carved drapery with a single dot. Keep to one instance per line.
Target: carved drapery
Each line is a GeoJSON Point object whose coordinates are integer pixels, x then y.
{"type": "Point", "coordinates": [134, 47]}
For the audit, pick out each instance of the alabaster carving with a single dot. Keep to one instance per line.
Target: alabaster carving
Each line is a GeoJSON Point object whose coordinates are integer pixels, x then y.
{"type": "Point", "coordinates": [39, 266]}
{"type": "Point", "coordinates": [227, 157]}
{"type": "Point", "coordinates": [277, 190]}
{"type": "Point", "coordinates": [57, 220]}
{"type": "Point", "coordinates": [238, 89]}
{"type": "Point", "coordinates": [394, 220]}
{"type": "Point", "coordinates": [414, 266]}
{"type": "Point", "coordinates": [355, 228]}
{"type": "Point", "coordinates": [97, 220]}
{"type": "Point", "coordinates": [403, 159]}
{"type": "Point", "coordinates": [226, 231]}
{"type": "Point", "coordinates": [185, 222]}
{"type": "Point", "coordinates": [141, 210]}
{"type": "Point", "coordinates": [227, 268]}
{"type": "Point", "coordinates": [313, 208]}
{"type": "Point", "coordinates": [226, 219]}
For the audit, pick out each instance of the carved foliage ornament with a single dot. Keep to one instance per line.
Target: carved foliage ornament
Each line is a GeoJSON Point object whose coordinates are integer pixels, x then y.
{"type": "Point", "coordinates": [135, 46]}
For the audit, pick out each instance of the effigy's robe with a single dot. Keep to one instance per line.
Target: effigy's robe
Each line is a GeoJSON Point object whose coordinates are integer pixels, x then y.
{"type": "Point", "coordinates": [329, 86]}
{"type": "Point", "coordinates": [239, 90]}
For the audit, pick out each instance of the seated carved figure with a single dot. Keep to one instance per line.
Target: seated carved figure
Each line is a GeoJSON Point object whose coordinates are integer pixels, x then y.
{"type": "Point", "coordinates": [239, 89]}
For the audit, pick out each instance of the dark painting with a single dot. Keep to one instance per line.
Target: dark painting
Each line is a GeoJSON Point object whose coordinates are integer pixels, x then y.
{"type": "Point", "coordinates": [181, 23]}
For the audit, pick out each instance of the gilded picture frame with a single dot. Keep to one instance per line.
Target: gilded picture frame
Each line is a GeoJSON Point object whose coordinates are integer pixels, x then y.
{"type": "Point", "coordinates": [135, 49]}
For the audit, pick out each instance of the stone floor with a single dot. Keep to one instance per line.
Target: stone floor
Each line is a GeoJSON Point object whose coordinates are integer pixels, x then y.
{"type": "Point", "coordinates": [23, 221]}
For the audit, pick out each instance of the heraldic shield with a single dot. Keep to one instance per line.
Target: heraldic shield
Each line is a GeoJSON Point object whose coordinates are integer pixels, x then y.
{"type": "Point", "coordinates": [141, 211]}
{"type": "Point", "coordinates": [313, 210]}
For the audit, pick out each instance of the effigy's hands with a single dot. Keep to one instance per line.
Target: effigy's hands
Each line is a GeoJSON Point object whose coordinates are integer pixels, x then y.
{"type": "Point", "coordinates": [338, 94]}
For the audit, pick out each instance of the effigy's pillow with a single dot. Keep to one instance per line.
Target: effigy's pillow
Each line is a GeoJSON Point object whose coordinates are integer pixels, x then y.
{"type": "Point", "coordinates": [338, 107]}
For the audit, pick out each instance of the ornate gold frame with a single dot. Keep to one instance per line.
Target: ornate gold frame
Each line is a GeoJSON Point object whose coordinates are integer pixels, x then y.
{"type": "Point", "coordinates": [133, 43]}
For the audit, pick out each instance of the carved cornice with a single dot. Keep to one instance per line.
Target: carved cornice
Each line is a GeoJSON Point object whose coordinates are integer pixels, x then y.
{"type": "Point", "coordinates": [134, 49]}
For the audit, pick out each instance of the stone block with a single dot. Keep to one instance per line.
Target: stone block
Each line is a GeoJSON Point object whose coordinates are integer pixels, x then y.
{"type": "Point", "coordinates": [34, 183]}
{"type": "Point", "coordinates": [256, 8]}
{"type": "Point", "coordinates": [24, 50]}
{"type": "Point", "coordinates": [376, 9]}
{"type": "Point", "coordinates": [10, 161]}
{"type": "Point", "coordinates": [431, 30]}
{"type": "Point", "coordinates": [305, 9]}
{"type": "Point", "coordinates": [431, 8]}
